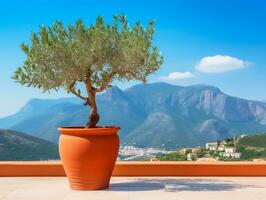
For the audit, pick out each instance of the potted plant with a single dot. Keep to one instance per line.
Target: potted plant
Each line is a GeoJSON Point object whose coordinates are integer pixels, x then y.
{"type": "Point", "coordinates": [93, 57]}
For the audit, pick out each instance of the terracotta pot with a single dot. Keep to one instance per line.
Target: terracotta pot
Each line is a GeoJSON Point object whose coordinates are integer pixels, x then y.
{"type": "Point", "coordinates": [88, 155]}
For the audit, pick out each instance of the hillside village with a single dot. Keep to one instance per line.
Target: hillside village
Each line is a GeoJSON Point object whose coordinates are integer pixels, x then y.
{"type": "Point", "coordinates": [228, 149]}
{"type": "Point", "coordinates": [221, 150]}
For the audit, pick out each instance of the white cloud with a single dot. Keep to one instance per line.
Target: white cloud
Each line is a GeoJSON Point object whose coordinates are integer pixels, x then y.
{"type": "Point", "coordinates": [219, 64]}
{"type": "Point", "coordinates": [177, 76]}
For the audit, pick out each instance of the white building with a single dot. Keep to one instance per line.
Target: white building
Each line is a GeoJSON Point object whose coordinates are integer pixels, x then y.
{"type": "Point", "coordinates": [242, 135]}
{"type": "Point", "coordinates": [230, 150]}
{"type": "Point", "coordinates": [236, 155]}
{"type": "Point", "coordinates": [190, 156]}
{"type": "Point", "coordinates": [230, 155]}
{"type": "Point", "coordinates": [221, 148]}
{"type": "Point", "coordinates": [212, 146]}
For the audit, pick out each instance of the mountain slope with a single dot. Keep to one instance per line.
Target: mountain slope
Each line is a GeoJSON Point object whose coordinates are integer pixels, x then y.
{"type": "Point", "coordinates": [46, 123]}
{"type": "Point", "coordinates": [258, 141]}
{"type": "Point", "coordinates": [19, 146]}
{"type": "Point", "coordinates": [158, 115]}
{"type": "Point", "coordinates": [34, 107]}
{"type": "Point", "coordinates": [114, 106]}
{"type": "Point", "coordinates": [200, 114]}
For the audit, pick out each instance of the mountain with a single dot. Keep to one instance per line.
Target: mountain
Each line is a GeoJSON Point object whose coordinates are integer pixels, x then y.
{"type": "Point", "coordinates": [156, 115]}
{"type": "Point", "coordinates": [33, 108]}
{"type": "Point", "coordinates": [20, 146]}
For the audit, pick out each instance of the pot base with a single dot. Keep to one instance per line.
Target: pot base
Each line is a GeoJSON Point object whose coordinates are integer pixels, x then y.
{"type": "Point", "coordinates": [89, 187]}
{"type": "Point", "coordinates": [88, 156]}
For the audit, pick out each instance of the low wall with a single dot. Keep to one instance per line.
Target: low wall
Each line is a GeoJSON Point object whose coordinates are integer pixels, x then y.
{"type": "Point", "coordinates": [55, 168]}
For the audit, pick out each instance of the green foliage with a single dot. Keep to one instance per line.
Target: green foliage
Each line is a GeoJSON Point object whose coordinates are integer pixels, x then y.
{"type": "Point", "coordinates": [229, 159]}
{"type": "Point", "coordinates": [174, 156]}
{"type": "Point", "coordinates": [188, 151]}
{"type": "Point", "coordinates": [194, 158]}
{"type": "Point", "coordinates": [252, 147]}
{"type": "Point", "coordinates": [247, 154]}
{"type": "Point", "coordinates": [60, 57]}
{"type": "Point", "coordinates": [201, 153]}
{"type": "Point", "coordinates": [216, 154]}
{"type": "Point", "coordinates": [211, 152]}
{"type": "Point", "coordinates": [230, 142]}
{"type": "Point", "coordinates": [254, 141]}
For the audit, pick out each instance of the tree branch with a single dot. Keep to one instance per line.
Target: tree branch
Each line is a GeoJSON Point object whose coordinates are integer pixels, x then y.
{"type": "Point", "coordinates": [105, 82]}
{"type": "Point", "coordinates": [77, 94]}
{"type": "Point", "coordinates": [73, 91]}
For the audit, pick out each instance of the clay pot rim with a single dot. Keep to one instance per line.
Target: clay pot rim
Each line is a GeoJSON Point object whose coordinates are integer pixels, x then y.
{"type": "Point", "coordinates": [81, 130]}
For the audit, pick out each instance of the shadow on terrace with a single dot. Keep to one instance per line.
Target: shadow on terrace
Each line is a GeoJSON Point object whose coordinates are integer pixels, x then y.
{"type": "Point", "coordinates": [173, 185]}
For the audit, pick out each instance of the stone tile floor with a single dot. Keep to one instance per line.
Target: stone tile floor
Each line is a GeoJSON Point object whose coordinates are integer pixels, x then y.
{"type": "Point", "coordinates": [131, 188]}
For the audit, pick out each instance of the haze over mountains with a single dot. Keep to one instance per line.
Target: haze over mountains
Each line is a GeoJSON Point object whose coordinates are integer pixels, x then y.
{"type": "Point", "coordinates": [157, 115]}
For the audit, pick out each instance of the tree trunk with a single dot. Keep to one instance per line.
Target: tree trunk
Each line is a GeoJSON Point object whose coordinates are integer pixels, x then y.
{"type": "Point", "coordinates": [94, 116]}
{"type": "Point", "coordinates": [93, 119]}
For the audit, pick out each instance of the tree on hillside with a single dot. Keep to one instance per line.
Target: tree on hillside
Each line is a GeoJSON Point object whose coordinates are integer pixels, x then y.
{"type": "Point", "coordinates": [96, 55]}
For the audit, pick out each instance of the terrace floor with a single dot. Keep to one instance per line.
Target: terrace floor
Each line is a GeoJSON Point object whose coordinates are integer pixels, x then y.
{"type": "Point", "coordinates": [131, 188]}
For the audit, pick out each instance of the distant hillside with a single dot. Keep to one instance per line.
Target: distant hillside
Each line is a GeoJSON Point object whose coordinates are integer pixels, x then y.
{"type": "Point", "coordinates": [254, 141]}
{"type": "Point", "coordinates": [19, 146]}
{"type": "Point", "coordinates": [252, 147]}
{"type": "Point", "coordinates": [150, 115]}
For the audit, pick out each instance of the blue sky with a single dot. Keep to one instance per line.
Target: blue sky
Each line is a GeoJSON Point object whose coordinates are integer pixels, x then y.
{"type": "Point", "coordinates": [221, 43]}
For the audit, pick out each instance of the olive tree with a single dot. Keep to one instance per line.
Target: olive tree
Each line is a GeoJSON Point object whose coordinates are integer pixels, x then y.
{"type": "Point", "coordinates": [68, 56]}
